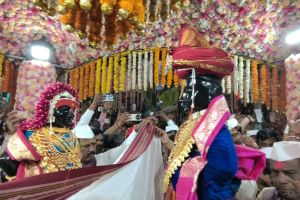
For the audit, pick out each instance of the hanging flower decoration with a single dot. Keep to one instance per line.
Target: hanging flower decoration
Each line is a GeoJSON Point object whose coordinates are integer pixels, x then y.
{"type": "Point", "coordinates": [109, 75]}
{"type": "Point", "coordinates": [104, 79]}
{"type": "Point", "coordinates": [275, 100]}
{"type": "Point", "coordinates": [164, 70]}
{"type": "Point", "coordinates": [129, 73]}
{"type": "Point", "coordinates": [139, 70]}
{"type": "Point", "coordinates": [98, 77]}
{"type": "Point", "coordinates": [156, 65]}
{"type": "Point", "coordinates": [247, 82]}
{"type": "Point", "coordinates": [241, 77]}
{"type": "Point", "coordinates": [95, 24]}
{"type": "Point", "coordinates": [5, 85]}
{"type": "Point", "coordinates": [122, 73]}
{"type": "Point", "coordinates": [76, 79]}
{"type": "Point", "coordinates": [92, 79]}
{"type": "Point", "coordinates": [1, 66]}
{"type": "Point", "coordinates": [263, 83]}
{"type": "Point", "coordinates": [145, 77]}
{"type": "Point", "coordinates": [153, 9]}
{"type": "Point", "coordinates": [255, 93]}
{"type": "Point", "coordinates": [71, 80]}
{"type": "Point", "coordinates": [236, 76]}
{"type": "Point", "coordinates": [151, 70]}
{"type": "Point", "coordinates": [228, 84]}
{"type": "Point", "coordinates": [116, 73]}
{"type": "Point", "coordinates": [292, 67]}
{"type": "Point", "coordinates": [223, 86]}
{"type": "Point", "coordinates": [133, 77]}
{"type": "Point", "coordinates": [170, 78]}
{"type": "Point", "coordinates": [268, 78]}
{"type": "Point", "coordinates": [81, 83]}
{"type": "Point", "coordinates": [283, 91]}
{"type": "Point", "coordinates": [86, 80]}
{"type": "Point", "coordinates": [176, 80]}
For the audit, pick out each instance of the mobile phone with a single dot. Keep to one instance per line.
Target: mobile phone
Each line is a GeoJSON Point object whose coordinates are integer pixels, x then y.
{"type": "Point", "coordinates": [136, 117]}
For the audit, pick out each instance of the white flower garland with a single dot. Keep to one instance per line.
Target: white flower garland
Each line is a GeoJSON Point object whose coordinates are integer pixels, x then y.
{"type": "Point", "coordinates": [236, 75]}
{"type": "Point", "coordinates": [66, 77]}
{"type": "Point", "coordinates": [133, 84]}
{"type": "Point", "coordinates": [247, 82]}
{"type": "Point", "coordinates": [241, 77]}
{"type": "Point", "coordinates": [139, 78]}
{"type": "Point", "coordinates": [228, 84]}
{"type": "Point", "coordinates": [145, 70]}
{"type": "Point", "coordinates": [151, 70]}
{"type": "Point", "coordinates": [147, 11]}
{"type": "Point", "coordinates": [129, 73]}
{"type": "Point", "coordinates": [223, 86]}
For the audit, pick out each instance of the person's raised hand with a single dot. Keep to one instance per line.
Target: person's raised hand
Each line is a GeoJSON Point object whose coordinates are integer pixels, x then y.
{"type": "Point", "coordinates": [96, 102]}
{"type": "Point", "coordinates": [122, 118]}
{"type": "Point", "coordinates": [12, 122]}
{"type": "Point", "coordinates": [164, 137]}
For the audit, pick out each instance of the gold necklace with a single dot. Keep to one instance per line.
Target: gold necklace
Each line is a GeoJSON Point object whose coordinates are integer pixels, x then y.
{"type": "Point", "coordinates": [183, 144]}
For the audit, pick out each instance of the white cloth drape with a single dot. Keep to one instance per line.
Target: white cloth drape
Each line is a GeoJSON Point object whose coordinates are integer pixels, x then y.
{"type": "Point", "coordinates": [141, 179]}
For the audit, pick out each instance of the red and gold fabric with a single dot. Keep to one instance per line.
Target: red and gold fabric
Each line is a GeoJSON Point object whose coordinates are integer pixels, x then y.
{"type": "Point", "coordinates": [195, 52]}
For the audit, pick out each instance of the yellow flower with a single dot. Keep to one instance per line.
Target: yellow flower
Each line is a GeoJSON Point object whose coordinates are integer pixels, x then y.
{"type": "Point", "coordinates": [103, 84]}
{"type": "Point", "coordinates": [122, 74]}
{"type": "Point", "coordinates": [109, 75]}
{"type": "Point", "coordinates": [163, 68]}
{"type": "Point", "coordinates": [98, 78]}
{"type": "Point", "coordinates": [116, 73]}
{"type": "Point", "coordinates": [156, 63]}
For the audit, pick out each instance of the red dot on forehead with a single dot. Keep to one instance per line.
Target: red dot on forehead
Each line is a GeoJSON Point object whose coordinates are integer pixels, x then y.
{"type": "Point", "coordinates": [278, 165]}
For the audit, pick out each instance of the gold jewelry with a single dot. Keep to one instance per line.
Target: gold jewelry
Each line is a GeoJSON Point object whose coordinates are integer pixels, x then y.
{"type": "Point", "coordinates": [60, 149]}
{"type": "Point", "coordinates": [10, 178]}
{"type": "Point", "coordinates": [182, 147]}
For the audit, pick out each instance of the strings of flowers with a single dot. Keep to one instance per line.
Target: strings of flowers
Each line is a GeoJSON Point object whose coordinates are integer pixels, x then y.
{"type": "Point", "coordinates": [241, 77]}
{"type": "Point", "coordinates": [156, 66]}
{"type": "Point", "coordinates": [81, 83]}
{"type": "Point", "coordinates": [139, 70]}
{"type": "Point", "coordinates": [86, 80]}
{"type": "Point", "coordinates": [268, 78]}
{"type": "Point", "coordinates": [98, 77]}
{"type": "Point", "coordinates": [247, 82]}
{"type": "Point", "coordinates": [122, 73]}
{"type": "Point", "coordinates": [7, 75]}
{"type": "Point", "coordinates": [163, 66]}
{"type": "Point", "coordinates": [151, 70]}
{"type": "Point", "coordinates": [145, 77]}
{"type": "Point", "coordinates": [129, 73]}
{"type": "Point", "coordinates": [109, 75]}
{"type": "Point", "coordinates": [263, 83]}
{"type": "Point", "coordinates": [255, 91]}
{"type": "Point", "coordinates": [103, 80]}
{"type": "Point", "coordinates": [133, 78]}
{"type": "Point", "coordinates": [116, 73]}
{"type": "Point", "coordinates": [275, 100]}
{"type": "Point", "coordinates": [92, 79]}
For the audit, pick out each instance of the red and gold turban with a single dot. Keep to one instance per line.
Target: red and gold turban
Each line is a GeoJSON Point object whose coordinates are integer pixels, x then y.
{"type": "Point", "coordinates": [195, 52]}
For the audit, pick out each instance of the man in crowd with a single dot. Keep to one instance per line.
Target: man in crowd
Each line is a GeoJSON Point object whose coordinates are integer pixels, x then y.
{"type": "Point", "coordinates": [285, 172]}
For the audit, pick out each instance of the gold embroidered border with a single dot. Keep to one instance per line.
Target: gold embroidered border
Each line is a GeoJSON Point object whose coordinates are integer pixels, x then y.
{"type": "Point", "coordinates": [18, 149]}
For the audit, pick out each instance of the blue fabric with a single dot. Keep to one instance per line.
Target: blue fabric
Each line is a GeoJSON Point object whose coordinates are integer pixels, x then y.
{"type": "Point", "coordinates": [28, 134]}
{"type": "Point", "coordinates": [216, 180]}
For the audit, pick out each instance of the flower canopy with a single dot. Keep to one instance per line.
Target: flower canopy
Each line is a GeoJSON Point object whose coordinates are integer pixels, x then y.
{"type": "Point", "coordinates": [253, 28]}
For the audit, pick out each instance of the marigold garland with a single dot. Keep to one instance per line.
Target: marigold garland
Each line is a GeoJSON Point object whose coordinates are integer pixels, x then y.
{"type": "Point", "coordinates": [122, 73]}
{"type": "Point", "coordinates": [109, 74]}
{"type": "Point", "coordinates": [98, 76]}
{"type": "Point", "coordinates": [5, 83]}
{"type": "Point", "coordinates": [80, 21]}
{"type": "Point", "coordinates": [81, 83]}
{"type": "Point", "coordinates": [170, 78]}
{"type": "Point", "coordinates": [153, 10]}
{"type": "Point", "coordinates": [71, 80]}
{"type": "Point", "coordinates": [156, 65]}
{"type": "Point", "coordinates": [283, 91]}
{"type": "Point", "coordinates": [86, 81]}
{"type": "Point", "coordinates": [103, 80]}
{"type": "Point", "coordinates": [255, 93]}
{"type": "Point", "coordinates": [116, 73]}
{"type": "Point", "coordinates": [76, 79]}
{"type": "Point", "coordinates": [176, 80]}
{"type": "Point", "coordinates": [275, 102]}
{"type": "Point", "coordinates": [163, 66]}
{"type": "Point", "coordinates": [92, 79]}
{"type": "Point", "coordinates": [1, 64]}
{"type": "Point", "coordinates": [268, 89]}
{"type": "Point", "coordinates": [263, 83]}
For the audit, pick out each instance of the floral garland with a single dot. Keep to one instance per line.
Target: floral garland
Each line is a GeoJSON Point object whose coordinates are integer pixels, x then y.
{"type": "Point", "coordinates": [275, 101]}
{"type": "Point", "coordinates": [223, 86]}
{"type": "Point", "coordinates": [76, 79]}
{"type": "Point", "coordinates": [86, 80]}
{"type": "Point", "coordinates": [139, 68]}
{"type": "Point", "coordinates": [228, 84]}
{"type": "Point", "coordinates": [5, 85]}
{"type": "Point", "coordinates": [1, 65]}
{"type": "Point", "coordinates": [283, 91]}
{"type": "Point", "coordinates": [71, 80]}
{"type": "Point", "coordinates": [103, 80]}
{"type": "Point", "coordinates": [98, 76]}
{"type": "Point", "coordinates": [66, 77]}
{"type": "Point", "coordinates": [146, 70]}
{"type": "Point", "coordinates": [153, 10]}
{"type": "Point", "coordinates": [170, 78]}
{"type": "Point", "coordinates": [92, 79]}
{"type": "Point", "coordinates": [81, 83]}
{"type": "Point", "coordinates": [133, 82]}
{"type": "Point", "coordinates": [255, 93]}
{"type": "Point", "coordinates": [268, 89]}
{"type": "Point", "coordinates": [129, 72]}
{"type": "Point", "coordinates": [42, 106]}
{"type": "Point", "coordinates": [247, 81]}
{"type": "Point", "coordinates": [116, 73]}
{"type": "Point", "coordinates": [176, 79]}
{"type": "Point", "coordinates": [241, 77]}
{"type": "Point", "coordinates": [122, 73]}
{"type": "Point", "coordinates": [151, 70]}
{"type": "Point", "coordinates": [165, 9]}
{"type": "Point", "coordinates": [156, 65]}
{"type": "Point", "coordinates": [163, 66]}
{"type": "Point", "coordinates": [236, 76]}
{"type": "Point", "coordinates": [263, 83]}
{"type": "Point", "coordinates": [109, 75]}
